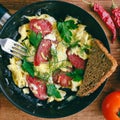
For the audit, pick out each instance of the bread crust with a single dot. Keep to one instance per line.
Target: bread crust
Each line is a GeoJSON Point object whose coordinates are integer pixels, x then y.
{"type": "Point", "coordinates": [107, 75]}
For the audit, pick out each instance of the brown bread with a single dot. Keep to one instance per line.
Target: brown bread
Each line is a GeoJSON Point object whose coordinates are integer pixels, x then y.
{"type": "Point", "coordinates": [101, 64]}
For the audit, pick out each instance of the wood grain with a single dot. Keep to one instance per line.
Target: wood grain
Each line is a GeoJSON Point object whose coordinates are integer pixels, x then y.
{"type": "Point", "coordinates": [93, 112]}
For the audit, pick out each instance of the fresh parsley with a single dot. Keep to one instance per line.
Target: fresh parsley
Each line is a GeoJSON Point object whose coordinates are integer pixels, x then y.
{"type": "Point", "coordinates": [77, 74]}
{"type": "Point", "coordinates": [52, 91]}
{"type": "Point", "coordinates": [64, 29]}
{"type": "Point", "coordinates": [28, 67]}
{"type": "Point", "coordinates": [70, 24]}
{"type": "Point", "coordinates": [35, 38]}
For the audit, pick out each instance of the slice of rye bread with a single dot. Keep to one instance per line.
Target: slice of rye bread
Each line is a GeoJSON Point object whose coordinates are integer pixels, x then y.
{"type": "Point", "coordinates": [100, 65]}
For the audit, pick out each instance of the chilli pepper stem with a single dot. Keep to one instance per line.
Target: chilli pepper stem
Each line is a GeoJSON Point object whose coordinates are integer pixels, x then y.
{"type": "Point", "coordinates": [113, 5]}
{"type": "Point", "coordinates": [113, 2]}
{"type": "Point", "coordinates": [85, 1]}
{"type": "Point", "coordinates": [88, 2]}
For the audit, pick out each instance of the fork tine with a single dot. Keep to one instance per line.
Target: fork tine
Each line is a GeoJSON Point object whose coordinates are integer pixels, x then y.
{"type": "Point", "coordinates": [18, 51]}
{"type": "Point", "coordinates": [19, 45]}
{"type": "Point", "coordinates": [12, 47]}
{"type": "Point", "coordinates": [16, 54]}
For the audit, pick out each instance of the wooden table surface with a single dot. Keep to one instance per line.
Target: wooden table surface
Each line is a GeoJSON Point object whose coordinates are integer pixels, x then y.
{"type": "Point", "coordinates": [93, 111]}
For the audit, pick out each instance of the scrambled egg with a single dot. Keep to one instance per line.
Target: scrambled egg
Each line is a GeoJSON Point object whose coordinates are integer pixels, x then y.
{"type": "Point", "coordinates": [84, 39]}
{"type": "Point", "coordinates": [61, 52]}
{"type": "Point", "coordinates": [19, 76]}
{"type": "Point", "coordinates": [23, 31]}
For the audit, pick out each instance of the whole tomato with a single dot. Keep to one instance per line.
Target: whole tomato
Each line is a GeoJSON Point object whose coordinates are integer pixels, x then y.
{"type": "Point", "coordinates": [111, 106]}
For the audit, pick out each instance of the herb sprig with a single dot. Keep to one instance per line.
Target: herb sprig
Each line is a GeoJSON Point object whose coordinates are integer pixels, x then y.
{"type": "Point", "coordinates": [35, 38]}
{"type": "Point", "coordinates": [77, 74]}
{"type": "Point", "coordinates": [28, 67]}
{"type": "Point", "coordinates": [52, 91]}
{"type": "Point", "coordinates": [65, 28]}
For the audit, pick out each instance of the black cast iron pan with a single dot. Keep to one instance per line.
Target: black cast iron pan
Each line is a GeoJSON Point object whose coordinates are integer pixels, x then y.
{"type": "Point", "coordinates": [29, 103]}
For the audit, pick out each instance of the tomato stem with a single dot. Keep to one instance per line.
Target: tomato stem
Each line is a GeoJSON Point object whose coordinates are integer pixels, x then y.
{"type": "Point", "coordinates": [118, 113]}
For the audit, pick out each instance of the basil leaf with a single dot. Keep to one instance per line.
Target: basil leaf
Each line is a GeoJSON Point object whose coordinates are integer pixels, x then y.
{"type": "Point", "coordinates": [52, 91]}
{"type": "Point", "coordinates": [35, 39]}
{"type": "Point", "coordinates": [28, 67]}
{"type": "Point", "coordinates": [77, 74]}
{"type": "Point", "coordinates": [64, 30]}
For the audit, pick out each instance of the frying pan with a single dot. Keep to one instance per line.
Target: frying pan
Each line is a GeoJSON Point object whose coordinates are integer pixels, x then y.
{"type": "Point", "coordinates": [28, 103]}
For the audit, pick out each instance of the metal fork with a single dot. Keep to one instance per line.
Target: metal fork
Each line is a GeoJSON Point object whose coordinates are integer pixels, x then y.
{"type": "Point", "coordinates": [12, 47]}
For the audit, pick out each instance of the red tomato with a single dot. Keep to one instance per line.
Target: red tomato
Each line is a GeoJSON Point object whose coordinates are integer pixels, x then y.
{"type": "Point", "coordinates": [76, 61]}
{"type": "Point", "coordinates": [111, 106]}
{"type": "Point", "coordinates": [62, 79]}
{"type": "Point", "coordinates": [41, 25]}
{"type": "Point", "coordinates": [38, 87]}
{"type": "Point", "coordinates": [43, 52]}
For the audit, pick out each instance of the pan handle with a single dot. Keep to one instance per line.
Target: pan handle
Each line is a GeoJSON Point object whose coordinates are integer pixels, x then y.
{"type": "Point", "coordinates": [4, 15]}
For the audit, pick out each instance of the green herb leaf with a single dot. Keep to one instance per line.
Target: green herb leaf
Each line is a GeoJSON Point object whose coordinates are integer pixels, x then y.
{"type": "Point", "coordinates": [35, 38]}
{"type": "Point", "coordinates": [77, 74]}
{"type": "Point", "coordinates": [70, 24]}
{"type": "Point", "coordinates": [28, 67]}
{"type": "Point", "coordinates": [52, 91]}
{"type": "Point", "coordinates": [75, 43]}
{"type": "Point", "coordinates": [64, 29]}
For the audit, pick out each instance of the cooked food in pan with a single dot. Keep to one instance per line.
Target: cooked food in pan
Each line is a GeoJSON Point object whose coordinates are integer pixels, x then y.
{"type": "Point", "coordinates": [61, 56]}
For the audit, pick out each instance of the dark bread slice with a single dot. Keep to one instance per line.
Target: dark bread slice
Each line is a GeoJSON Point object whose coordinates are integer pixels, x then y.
{"type": "Point", "coordinates": [101, 64]}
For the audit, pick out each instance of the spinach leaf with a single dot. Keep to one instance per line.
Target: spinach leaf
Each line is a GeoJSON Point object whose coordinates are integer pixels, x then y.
{"type": "Point", "coordinates": [35, 38]}
{"type": "Point", "coordinates": [77, 74]}
{"type": "Point", "coordinates": [52, 91]}
{"type": "Point", "coordinates": [64, 29]}
{"type": "Point", "coordinates": [28, 67]}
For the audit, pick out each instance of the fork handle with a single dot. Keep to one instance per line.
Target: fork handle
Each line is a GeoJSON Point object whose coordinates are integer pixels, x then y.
{"type": "Point", "coordinates": [4, 15]}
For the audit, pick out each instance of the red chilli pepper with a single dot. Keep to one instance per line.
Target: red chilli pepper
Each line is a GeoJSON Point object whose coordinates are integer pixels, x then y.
{"type": "Point", "coordinates": [115, 14]}
{"type": "Point", "coordinates": [116, 17]}
{"type": "Point", "coordinates": [105, 16]}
